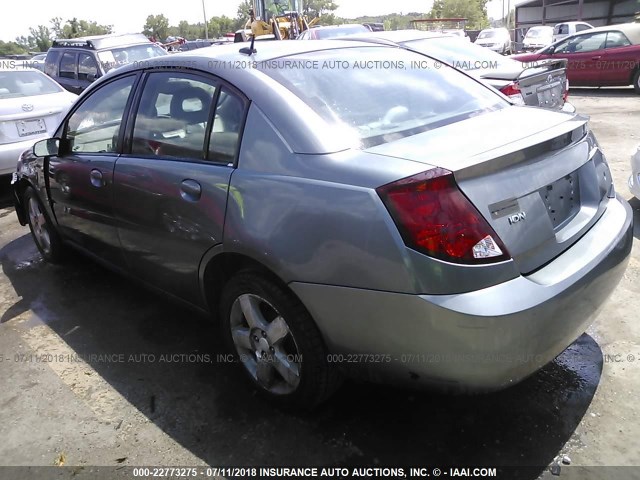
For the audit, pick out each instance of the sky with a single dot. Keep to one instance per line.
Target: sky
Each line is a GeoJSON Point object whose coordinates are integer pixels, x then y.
{"type": "Point", "coordinates": [130, 15]}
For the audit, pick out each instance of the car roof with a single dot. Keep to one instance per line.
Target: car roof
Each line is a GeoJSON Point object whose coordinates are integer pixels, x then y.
{"type": "Point", "coordinates": [268, 50]}
{"type": "Point", "coordinates": [631, 30]}
{"type": "Point", "coordinates": [97, 42]}
{"type": "Point", "coordinates": [396, 36]}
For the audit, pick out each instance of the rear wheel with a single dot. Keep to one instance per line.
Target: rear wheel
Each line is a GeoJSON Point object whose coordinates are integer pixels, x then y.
{"type": "Point", "coordinates": [636, 81]}
{"type": "Point", "coordinates": [276, 342]}
{"type": "Point", "coordinates": [44, 233]}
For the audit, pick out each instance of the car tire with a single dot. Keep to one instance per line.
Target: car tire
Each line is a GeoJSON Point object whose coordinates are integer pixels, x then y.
{"type": "Point", "coordinates": [636, 81]}
{"type": "Point", "coordinates": [276, 342]}
{"type": "Point", "coordinates": [42, 229]}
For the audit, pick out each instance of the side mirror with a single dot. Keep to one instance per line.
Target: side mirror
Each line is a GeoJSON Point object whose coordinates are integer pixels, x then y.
{"type": "Point", "coordinates": [551, 50]}
{"type": "Point", "coordinates": [46, 148]}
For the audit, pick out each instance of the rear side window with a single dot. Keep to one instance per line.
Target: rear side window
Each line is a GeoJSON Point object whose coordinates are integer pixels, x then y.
{"type": "Point", "coordinates": [95, 125]}
{"type": "Point", "coordinates": [617, 39]}
{"type": "Point", "coordinates": [173, 116]}
{"type": "Point", "coordinates": [51, 62]}
{"type": "Point", "coordinates": [68, 65]}
{"type": "Point", "coordinates": [580, 28]}
{"type": "Point", "coordinates": [378, 94]}
{"type": "Point", "coordinates": [227, 126]}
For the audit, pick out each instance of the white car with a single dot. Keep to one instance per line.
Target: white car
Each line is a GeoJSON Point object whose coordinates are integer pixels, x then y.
{"type": "Point", "coordinates": [496, 39]}
{"type": "Point", "coordinates": [31, 107]}
{"type": "Point", "coordinates": [537, 38]}
{"type": "Point", "coordinates": [564, 29]}
{"type": "Point", "coordinates": [634, 179]}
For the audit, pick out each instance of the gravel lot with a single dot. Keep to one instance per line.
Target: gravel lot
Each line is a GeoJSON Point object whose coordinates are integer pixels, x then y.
{"type": "Point", "coordinates": [84, 400]}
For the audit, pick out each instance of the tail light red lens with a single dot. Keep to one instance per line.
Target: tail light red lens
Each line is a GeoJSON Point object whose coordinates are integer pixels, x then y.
{"type": "Point", "coordinates": [512, 91]}
{"type": "Point", "coordinates": [435, 218]}
{"type": "Point", "coordinates": [565, 96]}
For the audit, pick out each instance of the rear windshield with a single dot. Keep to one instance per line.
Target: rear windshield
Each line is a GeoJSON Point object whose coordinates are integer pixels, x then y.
{"type": "Point", "coordinates": [16, 83]}
{"type": "Point", "coordinates": [382, 94]}
{"type": "Point", "coordinates": [116, 57]}
{"type": "Point", "coordinates": [461, 53]}
{"type": "Point", "coordinates": [335, 32]}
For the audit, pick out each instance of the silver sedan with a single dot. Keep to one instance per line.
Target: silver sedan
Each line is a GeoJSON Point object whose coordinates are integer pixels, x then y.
{"type": "Point", "coordinates": [335, 216]}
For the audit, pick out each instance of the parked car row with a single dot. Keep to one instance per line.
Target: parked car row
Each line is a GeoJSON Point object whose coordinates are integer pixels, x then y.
{"type": "Point", "coordinates": [603, 56]}
{"type": "Point", "coordinates": [331, 220]}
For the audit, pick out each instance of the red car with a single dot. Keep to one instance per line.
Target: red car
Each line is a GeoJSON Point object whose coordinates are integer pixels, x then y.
{"type": "Point", "coordinates": [601, 57]}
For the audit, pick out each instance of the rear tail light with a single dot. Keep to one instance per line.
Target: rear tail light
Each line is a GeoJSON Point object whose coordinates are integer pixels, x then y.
{"type": "Point", "coordinates": [565, 95]}
{"type": "Point", "coordinates": [435, 218]}
{"type": "Point", "coordinates": [512, 91]}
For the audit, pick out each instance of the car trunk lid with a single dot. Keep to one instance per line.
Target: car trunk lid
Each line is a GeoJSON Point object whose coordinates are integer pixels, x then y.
{"type": "Point", "coordinates": [22, 118]}
{"type": "Point", "coordinates": [541, 182]}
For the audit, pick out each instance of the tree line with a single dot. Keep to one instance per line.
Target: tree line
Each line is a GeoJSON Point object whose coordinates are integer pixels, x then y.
{"type": "Point", "coordinates": [40, 38]}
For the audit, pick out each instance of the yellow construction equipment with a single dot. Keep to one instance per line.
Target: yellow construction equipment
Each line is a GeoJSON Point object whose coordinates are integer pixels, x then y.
{"type": "Point", "coordinates": [284, 19]}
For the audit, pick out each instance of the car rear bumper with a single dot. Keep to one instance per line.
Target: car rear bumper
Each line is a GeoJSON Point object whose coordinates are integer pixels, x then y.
{"type": "Point", "coordinates": [478, 341]}
{"type": "Point", "coordinates": [634, 178]}
{"type": "Point", "coordinates": [10, 152]}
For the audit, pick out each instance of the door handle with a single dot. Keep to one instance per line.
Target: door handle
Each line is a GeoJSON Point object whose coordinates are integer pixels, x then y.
{"type": "Point", "coordinates": [190, 190]}
{"type": "Point", "coordinates": [597, 57]}
{"type": "Point", "coordinates": [96, 178]}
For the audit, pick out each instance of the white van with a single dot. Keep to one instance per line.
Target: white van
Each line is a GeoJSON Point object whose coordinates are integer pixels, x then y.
{"type": "Point", "coordinates": [537, 38]}
{"type": "Point", "coordinates": [565, 29]}
{"type": "Point", "coordinates": [496, 39]}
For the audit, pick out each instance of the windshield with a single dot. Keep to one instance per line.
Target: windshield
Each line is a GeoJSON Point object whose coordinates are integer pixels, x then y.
{"type": "Point", "coordinates": [487, 34]}
{"type": "Point", "coordinates": [539, 32]}
{"type": "Point", "coordinates": [461, 54]}
{"type": "Point", "coordinates": [16, 83]}
{"type": "Point", "coordinates": [381, 94]}
{"type": "Point", "coordinates": [135, 53]}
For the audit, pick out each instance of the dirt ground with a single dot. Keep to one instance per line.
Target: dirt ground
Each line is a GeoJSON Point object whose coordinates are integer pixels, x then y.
{"type": "Point", "coordinates": [96, 371]}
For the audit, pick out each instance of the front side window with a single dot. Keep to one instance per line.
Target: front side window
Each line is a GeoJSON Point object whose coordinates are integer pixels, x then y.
{"type": "Point", "coordinates": [95, 125]}
{"type": "Point", "coordinates": [173, 116]}
{"type": "Point", "coordinates": [582, 27]}
{"type": "Point", "coordinates": [384, 94]}
{"type": "Point", "coordinates": [583, 43]}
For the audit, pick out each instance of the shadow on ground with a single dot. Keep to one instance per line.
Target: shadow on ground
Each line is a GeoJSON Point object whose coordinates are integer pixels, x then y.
{"type": "Point", "coordinates": [210, 410]}
{"type": "Point", "coordinates": [611, 92]}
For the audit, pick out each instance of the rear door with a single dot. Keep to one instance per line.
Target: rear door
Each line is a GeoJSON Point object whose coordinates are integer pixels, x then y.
{"type": "Point", "coordinates": [67, 72]}
{"type": "Point", "coordinates": [81, 176]}
{"type": "Point", "coordinates": [171, 189]}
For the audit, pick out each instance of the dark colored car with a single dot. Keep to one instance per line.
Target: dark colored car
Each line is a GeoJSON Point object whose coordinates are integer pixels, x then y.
{"type": "Point", "coordinates": [543, 85]}
{"type": "Point", "coordinates": [598, 57]}
{"type": "Point", "coordinates": [338, 221]}
{"type": "Point", "coordinates": [76, 63]}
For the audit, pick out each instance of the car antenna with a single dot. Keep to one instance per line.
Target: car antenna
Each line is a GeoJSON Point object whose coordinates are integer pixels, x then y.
{"type": "Point", "coordinates": [250, 50]}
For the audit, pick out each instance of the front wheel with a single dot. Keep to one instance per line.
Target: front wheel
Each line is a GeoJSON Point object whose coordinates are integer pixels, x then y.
{"type": "Point", "coordinates": [44, 233]}
{"type": "Point", "coordinates": [276, 342]}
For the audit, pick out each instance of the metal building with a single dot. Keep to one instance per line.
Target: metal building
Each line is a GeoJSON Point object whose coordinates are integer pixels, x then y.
{"type": "Point", "coordinates": [595, 12]}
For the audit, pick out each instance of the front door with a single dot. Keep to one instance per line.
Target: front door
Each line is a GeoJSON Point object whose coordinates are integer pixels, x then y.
{"type": "Point", "coordinates": [81, 176]}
